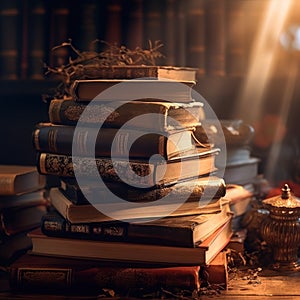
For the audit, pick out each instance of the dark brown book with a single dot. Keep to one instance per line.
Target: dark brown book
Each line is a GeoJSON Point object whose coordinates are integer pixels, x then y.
{"type": "Point", "coordinates": [23, 200]}
{"type": "Point", "coordinates": [167, 116]}
{"type": "Point", "coordinates": [104, 210]}
{"type": "Point", "coordinates": [132, 143]}
{"type": "Point", "coordinates": [10, 38]}
{"type": "Point", "coordinates": [203, 188]}
{"type": "Point", "coordinates": [52, 274]}
{"type": "Point", "coordinates": [16, 179]}
{"type": "Point", "coordinates": [236, 60]}
{"type": "Point", "coordinates": [195, 35]}
{"type": "Point", "coordinates": [182, 231]}
{"type": "Point", "coordinates": [141, 173]}
{"type": "Point", "coordinates": [202, 254]}
{"type": "Point", "coordinates": [16, 220]}
{"type": "Point", "coordinates": [37, 38]}
{"type": "Point", "coordinates": [101, 90]}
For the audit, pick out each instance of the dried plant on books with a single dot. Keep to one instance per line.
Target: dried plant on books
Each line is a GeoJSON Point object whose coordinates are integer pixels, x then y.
{"type": "Point", "coordinates": [84, 64]}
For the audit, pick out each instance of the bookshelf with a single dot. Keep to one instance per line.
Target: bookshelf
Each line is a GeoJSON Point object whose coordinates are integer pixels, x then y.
{"type": "Point", "coordinates": [41, 25]}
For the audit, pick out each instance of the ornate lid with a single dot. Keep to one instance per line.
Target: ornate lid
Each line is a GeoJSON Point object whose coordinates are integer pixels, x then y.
{"type": "Point", "coordinates": [286, 200]}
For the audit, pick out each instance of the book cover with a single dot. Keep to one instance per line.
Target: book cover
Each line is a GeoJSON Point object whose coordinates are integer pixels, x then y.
{"type": "Point", "coordinates": [182, 231]}
{"type": "Point", "coordinates": [52, 274]}
{"type": "Point", "coordinates": [132, 143]}
{"type": "Point", "coordinates": [134, 172]}
{"type": "Point", "coordinates": [23, 200]}
{"type": "Point", "coordinates": [16, 179]}
{"type": "Point", "coordinates": [204, 188]}
{"type": "Point", "coordinates": [202, 254]}
{"type": "Point", "coordinates": [16, 220]}
{"type": "Point", "coordinates": [128, 211]}
{"type": "Point", "coordinates": [68, 112]}
{"type": "Point", "coordinates": [131, 89]}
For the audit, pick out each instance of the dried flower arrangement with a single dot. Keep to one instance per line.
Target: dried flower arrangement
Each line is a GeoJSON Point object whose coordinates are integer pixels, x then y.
{"type": "Point", "coordinates": [85, 63]}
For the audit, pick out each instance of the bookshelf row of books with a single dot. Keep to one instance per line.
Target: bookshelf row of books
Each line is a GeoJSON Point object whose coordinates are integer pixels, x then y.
{"type": "Point", "coordinates": [214, 36]}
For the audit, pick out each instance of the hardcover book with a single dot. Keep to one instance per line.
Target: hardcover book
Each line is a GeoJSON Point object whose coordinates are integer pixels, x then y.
{"type": "Point", "coordinates": [121, 211]}
{"type": "Point", "coordinates": [140, 173]}
{"type": "Point", "coordinates": [34, 273]}
{"type": "Point", "coordinates": [202, 188]}
{"type": "Point", "coordinates": [167, 115]}
{"type": "Point", "coordinates": [142, 71]}
{"type": "Point", "coordinates": [132, 89]}
{"type": "Point", "coordinates": [202, 254]}
{"type": "Point", "coordinates": [183, 231]}
{"type": "Point", "coordinates": [16, 179]}
{"type": "Point", "coordinates": [132, 143]}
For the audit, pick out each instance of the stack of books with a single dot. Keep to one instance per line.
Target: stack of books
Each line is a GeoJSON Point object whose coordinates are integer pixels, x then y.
{"type": "Point", "coordinates": [22, 204]}
{"type": "Point", "coordinates": [160, 202]}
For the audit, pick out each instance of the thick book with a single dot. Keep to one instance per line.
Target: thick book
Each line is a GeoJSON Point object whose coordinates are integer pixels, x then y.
{"type": "Point", "coordinates": [132, 143]}
{"type": "Point", "coordinates": [17, 179]}
{"type": "Point", "coordinates": [16, 220]}
{"type": "Point", "coordinates": [23, 200]}
{"type": "Point", "coordinates": [141, 71]}
{"type": "Point", "coordinates": [165, 116]}
{"type": "Point", "coordinates": [202, 188]}
{"type": "Point", "coordinates": [34, 273]}
{"type": "Point", "coordinates": [131, 89]}
{"type": "Point", "coordinates": [201, 254]}
{"type": "Point", "coordinates": [184, 231]}
{"type": "Point", "coordinates": [141, 173]}
{"type": "Point", "coordinates": [125, 211]}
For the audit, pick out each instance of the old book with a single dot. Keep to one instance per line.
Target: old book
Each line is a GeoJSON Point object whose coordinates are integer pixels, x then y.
{"type": "Point", "coordinates": [141, 173]}
{"type": "Point", "coordinates": [122, 211]}
{"type": "Point", "coordinates": [183, 231]}
{"type": "Point", "coordinates": [132, 143]}
{"type": "Point", "coordinates": [216, 273]}
{"type": "Point", "coordinates": [11, 17]}
{"type": "Point", "coordinates": [132, 89]}
{"type": "Point", "coordinates": [197, 189]}
{"type": "Point", "coordinates": [202, 254]}
{"type": "Point", "coordinates": [215, 37]}
{"type": "Point", "coordinates": [141, 71]}
{"type": "Point", "coordinates": [16, 179]}
{"type": "Point", "coordinates": [165, 116]}
{"type": "Point", "coordinates": [16, 220]}
{"type": "Point", "coordinates": [195, 31]}
{"type": "Point", "coordinates": [23, 200]}
{"type": "Point", "coordinates": [243, 172]}
{"type": "Point", "coordinates": [13, 247]}
{"type": "Point", "coordinates": [56, 274]}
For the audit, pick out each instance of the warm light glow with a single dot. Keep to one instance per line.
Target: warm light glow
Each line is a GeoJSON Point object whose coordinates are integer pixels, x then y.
{"type": "Point", "coordinates": [263, 56]}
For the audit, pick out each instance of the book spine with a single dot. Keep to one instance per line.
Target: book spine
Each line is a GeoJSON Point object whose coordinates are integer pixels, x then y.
{"type": "Point", "coordinates": [196, 35]}
{"type": "Point", "coordinates": [134, 24]}
{"type": "Point", "coordinates": [62, 165]}
{"type": "Point", "coordinates": [69, 279]}
{"type": "Point", "coordinates": [60, 227]}
{"type": "Point", "coordinates": [59, 31]}
{"type": "Point", "coordinates": [113, 33]}
{"type": "Point", "coordinates": [10, 31]}
{"type": "Point", "coordinates": [7, 184]}
{"type": "Point", "coordinates": [63, 140]}
{"type": "Point", "coordinates": [37, 42]}
{"type": "Point", "coordinates": [236, 44]}
{"type": "Point", "coordinates": [215, 37]}
{"type": "Point", "coordinates": [68, 112]}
